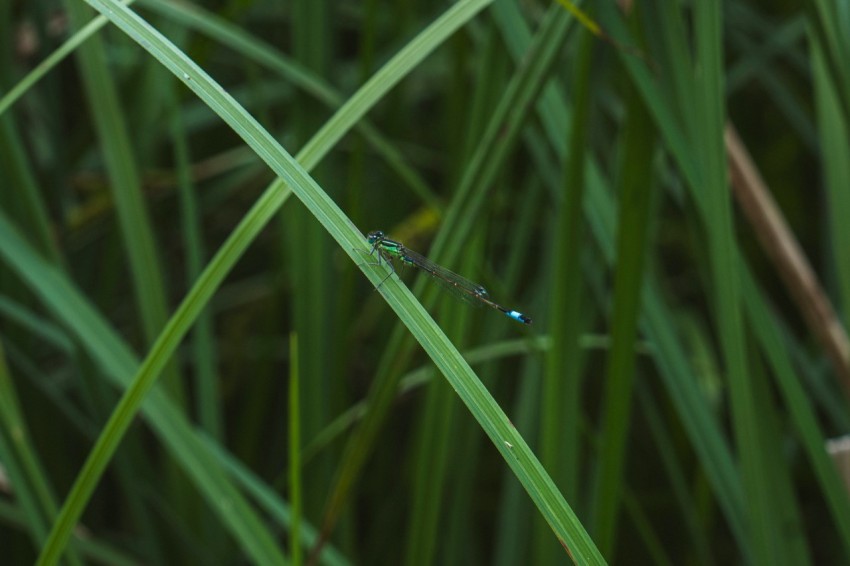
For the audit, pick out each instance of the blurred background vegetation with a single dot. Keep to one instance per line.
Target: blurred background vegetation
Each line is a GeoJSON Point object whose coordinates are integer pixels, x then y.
{"type": "Point", "coordinates": [662, 186]}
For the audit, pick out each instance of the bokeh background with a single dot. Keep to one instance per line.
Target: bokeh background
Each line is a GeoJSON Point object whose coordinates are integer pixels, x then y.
{"type": "Point", "coordinates": [662, 186]}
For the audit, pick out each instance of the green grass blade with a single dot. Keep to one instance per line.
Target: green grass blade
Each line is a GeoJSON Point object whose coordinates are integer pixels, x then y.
{"type": "Point", "coordinates": [830, 31]}
{"type": "Point", "coordinates": [559, 431]}
{"type": "Point", "coordinates": [835, 144]}
{"type": "Point", "coordinates": [762, 514]}
{"type": "Point", "coordinates": [632, 249]}
{"type": "Point", "coordinates": [295, 451]}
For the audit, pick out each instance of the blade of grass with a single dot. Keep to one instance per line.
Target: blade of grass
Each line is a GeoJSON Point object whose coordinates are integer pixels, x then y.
{"type": "Point", "coordinates": [294, 451]}
{"type": "Point", "coordinates": [834, 144]}
{"type": "Point", "coordinates": [633, 240]}
{"type": "Point", "coordinates": [303, 252]}
{"type": "Point", "coordinates": [763, 516]}
{"type": "Point", "coordinates": [559, 432]}
{"type": "Point", "coordinates": [832, 44]}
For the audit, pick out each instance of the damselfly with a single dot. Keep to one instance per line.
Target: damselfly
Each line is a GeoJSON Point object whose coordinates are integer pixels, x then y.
{"type": "Point", "coordinates": [388, 250]}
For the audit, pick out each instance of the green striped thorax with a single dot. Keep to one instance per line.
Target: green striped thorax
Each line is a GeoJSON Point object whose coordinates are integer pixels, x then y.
{"type": "Point", "coordinates": [377, 239]}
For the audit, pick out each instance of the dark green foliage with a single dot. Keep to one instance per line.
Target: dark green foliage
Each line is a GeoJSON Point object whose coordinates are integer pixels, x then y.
{"type": "Point", "coordinates": [157, 303]}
